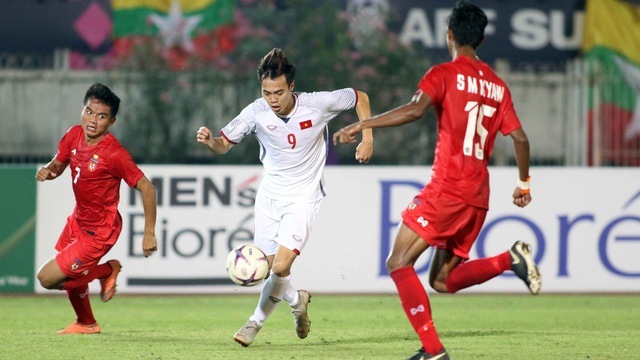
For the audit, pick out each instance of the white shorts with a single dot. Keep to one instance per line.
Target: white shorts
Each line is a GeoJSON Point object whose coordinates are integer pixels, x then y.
{"type": "Point", "coordinates": [283, 223]}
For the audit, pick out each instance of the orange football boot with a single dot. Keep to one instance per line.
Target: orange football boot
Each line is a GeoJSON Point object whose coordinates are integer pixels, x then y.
{"type": "Point", "coordinates": [108, 284]}
{"type": "Point", "coordinates": [76, 328]}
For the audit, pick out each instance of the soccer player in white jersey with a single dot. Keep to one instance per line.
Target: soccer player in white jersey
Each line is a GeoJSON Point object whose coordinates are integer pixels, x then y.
{"type": "Point", "coordinates": [294, 138]}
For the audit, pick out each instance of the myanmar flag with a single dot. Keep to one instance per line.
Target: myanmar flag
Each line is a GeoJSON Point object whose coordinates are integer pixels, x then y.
{"type": "Point", "coordinates": [611, 45]}
{"type": "Point", "coordinates": [186, 29]}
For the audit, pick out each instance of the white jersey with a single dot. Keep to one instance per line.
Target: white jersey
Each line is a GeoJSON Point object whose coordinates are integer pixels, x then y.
{"type": "Point", "coordinates": [293, 150]}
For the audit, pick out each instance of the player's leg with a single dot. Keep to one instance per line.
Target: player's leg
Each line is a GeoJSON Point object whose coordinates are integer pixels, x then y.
{"type": "Point", "coordinates": [61, 269]}
{"type": "Point", "coordinates": [408, 246]}
{"type": "Point", "coordinates": [276, 285]}
{"type": "Point", "coordinates": [266, 223]}
{"type": "Point", "coordinates": [273, 291]}
{"type": "Point", "coordinates": [475, 272]}
{"type": "Point", "coordinates": [451, 272]}
{"type": "Point", "coordinates": [85, 321]}
{"type": "Point", "coordinates": [451, 278]}
{"type": "Point", "coordinates": [293, 235]}
{"type": "Point", "coordinates": [298, 299]}
{"type": "Point", "coordinates": [79, 261]}
{"type": "Point", "coordinates": [443, 263]}
{"type": "Point", "coordinates": [94, 272]}
{"type": "Point", "coordinates": [50, 276]}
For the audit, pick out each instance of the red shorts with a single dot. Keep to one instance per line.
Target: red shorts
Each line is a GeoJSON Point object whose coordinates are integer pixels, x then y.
{"type": "Point", "coordinates": [445, 222]}
{"type": "Point", "coordinates": [78, 250]}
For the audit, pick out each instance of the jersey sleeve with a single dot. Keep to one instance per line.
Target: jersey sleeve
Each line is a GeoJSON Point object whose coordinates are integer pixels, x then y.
{"type": "Point", "coordinates": [509, 120]}
{"type": "Point", "coordinates": [433, 84]}
{"type": "Point", "coordinates": [123, 166]}
{"type": "Point", "coordinates": [64, 147]}
{"type": "Point", "coordinates": [243, 124]}
{"type": "Point", "coordinates": [338, 101]}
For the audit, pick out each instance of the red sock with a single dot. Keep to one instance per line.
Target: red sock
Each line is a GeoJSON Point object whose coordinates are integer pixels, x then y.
{"type": "Point", "coordinates": [477, 271]}
{"type": "Point", "coordinates": [415, 303]}
{"type": "Point", "coordinates": [97, 272]}
{"type": "Point", "coordinates": [79, 298]}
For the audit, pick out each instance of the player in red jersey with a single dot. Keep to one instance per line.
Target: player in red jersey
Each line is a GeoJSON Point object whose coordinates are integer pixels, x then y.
{"type": "Point", "coordinates": [98, 163]}
{"type": "Point", "coordinates": [472, 104]}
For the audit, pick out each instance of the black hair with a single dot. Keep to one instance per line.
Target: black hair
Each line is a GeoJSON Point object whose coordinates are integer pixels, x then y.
{"type": "Point", "coordinates": [467, 22]}
{"type": "Point", "coordinates": [105, 95]}
{"type": "Point", "coordinates": [276, 64]}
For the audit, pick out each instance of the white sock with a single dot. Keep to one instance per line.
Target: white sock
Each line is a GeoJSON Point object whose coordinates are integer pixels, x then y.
{"type": "Point", "coordinates": [270, 296]}
{"type": "Point", "coordinates": [291, 295]}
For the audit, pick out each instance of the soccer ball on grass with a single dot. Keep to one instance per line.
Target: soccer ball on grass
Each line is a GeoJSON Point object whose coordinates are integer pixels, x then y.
{"type": "Point", "coordinates": [247, 265]}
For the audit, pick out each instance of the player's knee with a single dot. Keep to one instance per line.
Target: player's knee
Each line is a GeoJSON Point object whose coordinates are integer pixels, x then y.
{"type": "Point", "coordinates": [280, 269]}
{"type": "Point", "coordinates": [439, 285]}
{"type": "Point", "coordinates": [394, 263]}
{"type": "Point", "coordinates": [391, 266]}
{"type": "Point", "coordinates": [46, 281]}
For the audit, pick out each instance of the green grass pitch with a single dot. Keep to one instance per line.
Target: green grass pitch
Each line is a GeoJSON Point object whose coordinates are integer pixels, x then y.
{"type": "Point", "coordinates": [342, 327]}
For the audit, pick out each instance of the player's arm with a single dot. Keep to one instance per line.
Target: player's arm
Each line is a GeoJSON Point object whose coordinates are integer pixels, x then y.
{"type": "Point", "coordinates": [521, 195]}
{"type": "Point", "coordinates": [217, 145]}
{"type": "Point", "coordinates": [401, 115]}
{"type": "Point", "coordinates": [51, 171]}
{"type": "Point", "coordinates": [149, 244]}
{"type": "Point", "coordinates": [364, 150]}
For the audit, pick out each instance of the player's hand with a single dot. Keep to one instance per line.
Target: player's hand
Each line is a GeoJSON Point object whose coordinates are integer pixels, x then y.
{"type": "Point", "coordinates": [204, 135]}
{"type": "Point", "coordinates": [149, 244]}
{"type": "Point", "coordinates": [520, 199]}
{"type": "Point", "coordinates": [364, 151]}
{"type": "Point", "coordinates": [45, 174]}
{"type": "Point", "coordinates": [347, 134]}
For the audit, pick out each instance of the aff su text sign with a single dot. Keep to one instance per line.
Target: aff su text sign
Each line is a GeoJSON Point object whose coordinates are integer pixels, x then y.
{"type": "Point", "coordinates": [527, 31]}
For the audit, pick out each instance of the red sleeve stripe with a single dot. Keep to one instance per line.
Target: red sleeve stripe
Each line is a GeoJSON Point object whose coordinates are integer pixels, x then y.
{"type": "Point", "coordinates": [356, 96]}
{"type": "Point", "coordinates": [225, 136]}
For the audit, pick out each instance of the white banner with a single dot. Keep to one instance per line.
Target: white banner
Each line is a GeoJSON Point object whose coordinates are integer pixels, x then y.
{"type": "Point", "coordinates": [583, 224]}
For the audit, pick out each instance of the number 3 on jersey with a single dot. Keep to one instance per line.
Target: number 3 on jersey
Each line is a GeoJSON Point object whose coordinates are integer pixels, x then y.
{"type": "Point", "coordinates": [476, 113]}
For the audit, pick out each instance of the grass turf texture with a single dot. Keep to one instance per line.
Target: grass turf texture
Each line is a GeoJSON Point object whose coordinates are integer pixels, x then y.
{"type": "Point", "coordinates": [343, 327]}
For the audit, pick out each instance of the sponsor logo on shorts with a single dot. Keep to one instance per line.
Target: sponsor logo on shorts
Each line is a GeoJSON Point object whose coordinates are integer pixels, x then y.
{"type": "Point", "coordinates": [76, 264]}
{"type": "Point", "coordinates": [422, 221]}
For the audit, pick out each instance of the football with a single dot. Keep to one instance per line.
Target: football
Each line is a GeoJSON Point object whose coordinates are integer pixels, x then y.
{"type": "Point", "coordinates": [247, 265]}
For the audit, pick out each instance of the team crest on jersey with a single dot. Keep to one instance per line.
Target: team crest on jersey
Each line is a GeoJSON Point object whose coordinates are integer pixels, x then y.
{"type": "Point", "coordinates": [93, 162]}
{"type": "Point", "coordinates": [305, 124]}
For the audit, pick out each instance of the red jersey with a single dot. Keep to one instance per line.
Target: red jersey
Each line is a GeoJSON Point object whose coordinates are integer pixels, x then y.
{"type": "Point", "coordinates": [96, 172]}
{"type": "Point", "coordinates": [472, 103]}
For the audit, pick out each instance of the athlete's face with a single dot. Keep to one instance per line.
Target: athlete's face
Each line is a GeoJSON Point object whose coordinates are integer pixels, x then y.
{"type": "Point", "coordinates": [96, 120]}
{"type": "Point", "coordinates": [278, 95]}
